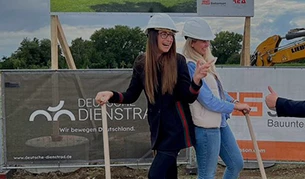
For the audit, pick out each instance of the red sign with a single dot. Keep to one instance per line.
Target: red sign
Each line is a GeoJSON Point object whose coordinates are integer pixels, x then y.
{"type": "Point", "coordinates": [240, 1]}
{"type": "Point", "coordinates": [206, 2]}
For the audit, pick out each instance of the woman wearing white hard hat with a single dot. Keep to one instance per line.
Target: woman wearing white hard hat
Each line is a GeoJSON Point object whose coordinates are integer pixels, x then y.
{"type": "Point", "coordinates": [212, 108]}
{"type": "Point", "coordinates": [163, 74]}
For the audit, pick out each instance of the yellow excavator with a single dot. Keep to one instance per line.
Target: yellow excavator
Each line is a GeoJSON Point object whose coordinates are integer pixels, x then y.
{"type": "Point", "coordinates": [269, 52]}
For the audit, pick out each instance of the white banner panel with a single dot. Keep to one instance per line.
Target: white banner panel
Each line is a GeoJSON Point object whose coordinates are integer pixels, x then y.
{"type": "Point", "coordinates": [279, 138]}
{"type": "Point", "coordinates": [225, 8]}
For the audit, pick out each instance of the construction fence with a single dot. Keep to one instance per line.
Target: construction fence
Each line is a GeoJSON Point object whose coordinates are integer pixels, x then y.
{"type": "Point", "coordinates": [51, 118]}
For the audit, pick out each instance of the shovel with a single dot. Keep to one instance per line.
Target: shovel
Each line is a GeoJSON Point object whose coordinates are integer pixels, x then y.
{"type": "Point", "coordinates": [258, 155]}
{"type": "Point", "coordinates": [106, 142]}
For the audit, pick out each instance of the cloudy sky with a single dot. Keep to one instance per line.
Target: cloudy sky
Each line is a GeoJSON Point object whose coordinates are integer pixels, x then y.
{"type": "Point", "coordinates": [21, 19]}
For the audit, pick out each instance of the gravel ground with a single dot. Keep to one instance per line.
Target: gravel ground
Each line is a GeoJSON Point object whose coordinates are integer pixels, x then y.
{"type": "Point", "coordinates": [278, 171]}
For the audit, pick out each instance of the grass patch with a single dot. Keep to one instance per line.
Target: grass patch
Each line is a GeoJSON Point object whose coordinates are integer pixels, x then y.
{"type": "Point", "coordinates": [123, 6]}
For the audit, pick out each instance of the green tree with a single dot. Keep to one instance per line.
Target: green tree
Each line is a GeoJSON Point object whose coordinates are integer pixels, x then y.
{"type": "Point", "coordinates": [234, 59]}
{"type": "Point", "coordinates": [9, 63]}
{"type": "Point", "coordinates": [116, 45]}
{"type": "Point", "coordinates": [226, 45]}
{"type": "Point", "coordinates": [108, 48]}
{"type": "Point", "coordinates": [32, 54]}
{"type": "Point", "coordinates": [4, 63]}
{"type": "Point", "coordinates": [82, 51]}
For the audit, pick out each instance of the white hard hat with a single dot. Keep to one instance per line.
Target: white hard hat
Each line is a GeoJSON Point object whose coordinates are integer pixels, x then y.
{"type": "Point", "coordinates": [197, 28]}
{"type": "Point", "coordinates": [161, 21]}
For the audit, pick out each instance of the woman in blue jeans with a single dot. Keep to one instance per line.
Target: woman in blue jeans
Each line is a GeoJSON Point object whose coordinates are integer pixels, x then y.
{"type": "Point", "coordinates": [212, 108]}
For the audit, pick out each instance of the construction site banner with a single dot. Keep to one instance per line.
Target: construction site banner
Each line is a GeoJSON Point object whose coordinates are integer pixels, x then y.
{"type": "Point", "coordinates": [279, 138]}
{"type": "Point", "coordinates": [225, 8]}
{"type": "Point", "coordinates": [52, 117]}
{"type": "Point", "coordinates": [126, 6]}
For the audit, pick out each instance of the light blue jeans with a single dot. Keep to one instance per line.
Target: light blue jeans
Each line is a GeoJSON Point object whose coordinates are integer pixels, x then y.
{"type": "Point", "coordinates": [211, 143]}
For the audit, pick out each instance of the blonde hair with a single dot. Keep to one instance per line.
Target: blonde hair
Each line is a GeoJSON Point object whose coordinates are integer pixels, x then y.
{"type": "Point", "coordinates": [191, 54]}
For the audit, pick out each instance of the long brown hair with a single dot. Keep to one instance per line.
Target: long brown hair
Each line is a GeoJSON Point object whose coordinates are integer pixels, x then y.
{"type": "Point", "coordinates": [166, 63]}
